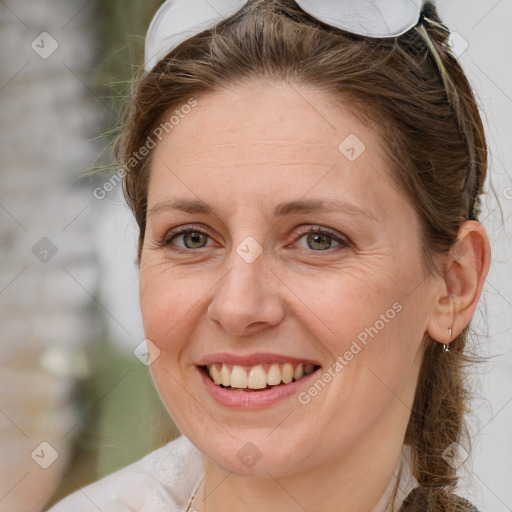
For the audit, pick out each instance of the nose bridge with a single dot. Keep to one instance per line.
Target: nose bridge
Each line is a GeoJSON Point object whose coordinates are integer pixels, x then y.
{"type": "Point", "coordinates": [243, 297]}
{"type": "Point", "coordinates": [243, 285]}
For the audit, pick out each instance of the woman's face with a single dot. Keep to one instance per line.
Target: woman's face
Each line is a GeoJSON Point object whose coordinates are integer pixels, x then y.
{"type": "Point", "coordinates": [277, 240]}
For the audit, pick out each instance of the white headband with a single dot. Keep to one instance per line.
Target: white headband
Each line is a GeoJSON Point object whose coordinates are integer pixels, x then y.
{"type": "Point", "coordinates": [178, 20]}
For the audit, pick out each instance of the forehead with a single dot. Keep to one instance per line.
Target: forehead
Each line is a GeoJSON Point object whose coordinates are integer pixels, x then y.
{"type": "Point", "coordinates": [267, 141]}
{"type": "Point", "coordinates": [289, 114]}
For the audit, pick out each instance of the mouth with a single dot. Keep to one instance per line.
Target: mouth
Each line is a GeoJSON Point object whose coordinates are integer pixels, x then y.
{"type": "Point", "coordinates": [260, 377]}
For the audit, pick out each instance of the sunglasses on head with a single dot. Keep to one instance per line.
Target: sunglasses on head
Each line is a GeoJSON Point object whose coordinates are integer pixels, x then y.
{"type": "Point", "coordinates": [179, 20]}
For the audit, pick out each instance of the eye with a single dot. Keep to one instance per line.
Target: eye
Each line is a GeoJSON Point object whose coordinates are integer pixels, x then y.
{"type": "Point", "coordinates": [192, 238]}
{"type": "Point", "coordinates": [321, 239]}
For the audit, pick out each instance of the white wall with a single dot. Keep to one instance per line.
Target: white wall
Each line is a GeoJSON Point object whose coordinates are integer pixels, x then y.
{"type": "Point", "coordinates": [485, 25]}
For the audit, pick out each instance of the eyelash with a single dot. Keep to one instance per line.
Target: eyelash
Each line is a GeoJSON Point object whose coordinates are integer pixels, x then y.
{"type": "Point", "coordinates": [343, 241]}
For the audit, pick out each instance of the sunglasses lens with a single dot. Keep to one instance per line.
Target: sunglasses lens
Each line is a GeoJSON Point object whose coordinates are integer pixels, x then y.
{"type": "Point", "coordinates": [380, 19]}
{"type": "Point", "coordinates": [178, 20]}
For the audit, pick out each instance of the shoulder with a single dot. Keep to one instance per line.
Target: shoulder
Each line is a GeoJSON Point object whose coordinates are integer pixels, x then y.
{"type": "Point", "coordinates": [162, 480]}
{"type": "Point", "coordinates": [417, 501]}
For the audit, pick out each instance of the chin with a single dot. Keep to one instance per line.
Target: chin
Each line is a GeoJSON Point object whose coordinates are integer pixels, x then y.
{"type": "Point", "coordinates": [255, 452]}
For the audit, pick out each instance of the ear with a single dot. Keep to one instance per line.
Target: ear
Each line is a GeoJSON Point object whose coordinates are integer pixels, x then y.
{"type": "Point", "coordinates": [465, 269]}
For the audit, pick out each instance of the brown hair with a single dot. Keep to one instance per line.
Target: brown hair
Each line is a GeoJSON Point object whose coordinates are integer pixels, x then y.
{"type": "Point", "coordinates": [412, 90]}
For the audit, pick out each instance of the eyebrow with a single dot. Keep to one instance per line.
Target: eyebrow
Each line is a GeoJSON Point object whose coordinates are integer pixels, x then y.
{"type": "Point", "coordinates": [281, 210]}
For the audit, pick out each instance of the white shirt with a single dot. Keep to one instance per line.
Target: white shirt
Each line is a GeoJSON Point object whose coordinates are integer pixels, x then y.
{"type": "Point", "coordinates": [166, 480]}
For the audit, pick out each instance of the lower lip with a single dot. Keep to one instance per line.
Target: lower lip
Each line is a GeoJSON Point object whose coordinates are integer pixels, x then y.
{"type": "Point", "coordinates": [252, 399]}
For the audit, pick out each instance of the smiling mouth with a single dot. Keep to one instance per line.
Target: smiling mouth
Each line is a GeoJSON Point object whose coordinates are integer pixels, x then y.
{"type": "Point", "coordinates": [256, 378]}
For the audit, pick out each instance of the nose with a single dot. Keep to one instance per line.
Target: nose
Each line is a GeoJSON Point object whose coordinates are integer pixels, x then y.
{"type": "Point", "coordinates": [247, 300]}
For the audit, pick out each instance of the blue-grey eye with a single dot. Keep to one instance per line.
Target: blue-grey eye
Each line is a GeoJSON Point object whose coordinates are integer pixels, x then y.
{"type": "Point", "coordinates": [319, 241]}
{"type": "Point", "coordinates": [192, 239]}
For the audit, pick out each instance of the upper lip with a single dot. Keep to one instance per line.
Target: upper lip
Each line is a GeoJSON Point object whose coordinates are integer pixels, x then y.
{"type": "Point", "coordinates": [252, 359]}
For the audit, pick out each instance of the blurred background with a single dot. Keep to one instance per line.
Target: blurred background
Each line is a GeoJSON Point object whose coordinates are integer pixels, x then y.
{"type": "Point", "coordinates": [76, 399]}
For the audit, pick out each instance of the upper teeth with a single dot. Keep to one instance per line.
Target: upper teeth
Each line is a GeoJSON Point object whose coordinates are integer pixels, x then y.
{"type": "Point", "coordinates": [255, 377]}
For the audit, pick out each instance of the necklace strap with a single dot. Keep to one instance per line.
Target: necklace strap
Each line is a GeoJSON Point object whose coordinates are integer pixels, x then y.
{"type": "Point", "coordinates": [194, 494]}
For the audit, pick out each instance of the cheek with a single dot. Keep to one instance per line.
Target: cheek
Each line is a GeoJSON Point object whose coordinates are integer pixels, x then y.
{"type": "Point", "coordinates": [345, 307]}
{"type": "Point", "coordinates": [372, 330]}
{"type": "Point", "coordinates": [167, 303]}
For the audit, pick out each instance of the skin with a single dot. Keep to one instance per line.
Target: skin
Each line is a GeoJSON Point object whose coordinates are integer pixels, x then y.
{"type": "Point", "coordinates": [243, 151]}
